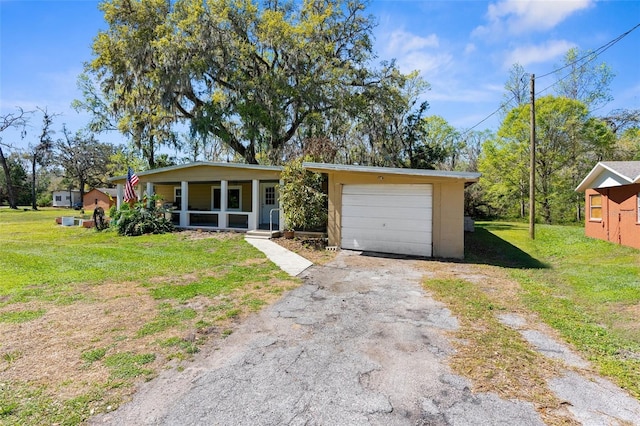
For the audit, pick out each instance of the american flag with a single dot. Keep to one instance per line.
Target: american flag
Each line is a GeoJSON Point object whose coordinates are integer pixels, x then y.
{"type": "Point", "coordinates": [129, 192]}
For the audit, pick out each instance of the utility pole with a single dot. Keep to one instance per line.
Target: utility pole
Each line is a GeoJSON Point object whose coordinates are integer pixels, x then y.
{"type": "Point", "coordinates": [532, 166]}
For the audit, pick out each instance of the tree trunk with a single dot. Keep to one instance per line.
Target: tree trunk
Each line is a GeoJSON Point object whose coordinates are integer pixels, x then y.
{"type": "Point", "coordinates": [34, 205]}
{"type": "Point", "coordinates": [578, 212]}
{"type": "Point", "coordinates": [7, 178]}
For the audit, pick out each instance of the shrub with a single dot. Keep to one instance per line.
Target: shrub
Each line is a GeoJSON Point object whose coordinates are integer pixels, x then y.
{"type": "Point", "coordinates": [303, 201]}
{"type": "Point", "coordinates": [140, 219]}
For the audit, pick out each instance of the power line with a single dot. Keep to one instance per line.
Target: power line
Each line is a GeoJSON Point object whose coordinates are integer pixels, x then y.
{"type": "Point", "coordinates": [591, 55]}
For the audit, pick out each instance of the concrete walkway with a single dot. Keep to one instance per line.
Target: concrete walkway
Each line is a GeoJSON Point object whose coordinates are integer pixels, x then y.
{"type": "Point", "coordinates": [290, 262]}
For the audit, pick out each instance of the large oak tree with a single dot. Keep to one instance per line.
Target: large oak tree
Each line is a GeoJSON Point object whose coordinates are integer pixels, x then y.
{"type": "Point", "coordinates": [249, 74]}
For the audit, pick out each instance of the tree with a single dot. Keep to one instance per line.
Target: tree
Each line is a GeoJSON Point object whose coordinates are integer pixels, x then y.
{"type": "Point", "coordinates": [568, 141]}
{"type": "Point", "coordinates": [517, 89]}
{"type": "Point", "coordinates": [11, 120]}
{"type": "Point", "coordinates": [40, 153]}
{"type": "Point", "coordinates": [584, 81]}
{"type": "Point", "coordinates": [18, 179]}
{"type": "Point", "coordinates": [444, 140]}
{"type": "Point", "coordinates": [84, 159]}
{"type": "Point", "coordinates": [249, 75]}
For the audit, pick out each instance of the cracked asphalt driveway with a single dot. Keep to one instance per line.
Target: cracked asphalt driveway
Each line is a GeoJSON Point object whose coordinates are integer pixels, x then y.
{"type": "Point", "coordinates": [353, 345]}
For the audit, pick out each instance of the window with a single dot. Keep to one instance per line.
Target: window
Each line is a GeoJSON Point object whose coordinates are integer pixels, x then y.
{"type": "Point", "coordinates": [234, 198]}
{"type": "Point", "coordinates": [270, 195]}
{"type": "Point", "coordinates": [177, 197]}
{"type": "Point", "coordinates": [595, 207]}
{"type": "Point", "coordinates": [638, 203]}
{"type": "Point", "coordinates": [58, 197]}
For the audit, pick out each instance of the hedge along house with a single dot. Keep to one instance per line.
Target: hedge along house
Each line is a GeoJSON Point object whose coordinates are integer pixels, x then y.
{"type": "Point", "coordinates": [612, 202]}
{"type": "Point", "coordinates": [214, 196]}
{"type": "Point", "coordinates": [401, 211]}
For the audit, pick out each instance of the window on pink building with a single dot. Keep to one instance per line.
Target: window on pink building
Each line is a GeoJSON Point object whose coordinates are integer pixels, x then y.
{"type": "Point", "coordinates": [595, 207]}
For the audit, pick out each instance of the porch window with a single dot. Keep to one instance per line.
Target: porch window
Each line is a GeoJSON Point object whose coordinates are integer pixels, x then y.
{"type": "Point", "coordinates": [177, 197]}
{"type": "Point", "coordinates": [234, 198]}
{"type": "Point", "coordinates": [595, 207]}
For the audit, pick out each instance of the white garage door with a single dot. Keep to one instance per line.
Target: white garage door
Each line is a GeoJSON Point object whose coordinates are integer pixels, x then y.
{"type": "Point", "coordinates": [387, 218]}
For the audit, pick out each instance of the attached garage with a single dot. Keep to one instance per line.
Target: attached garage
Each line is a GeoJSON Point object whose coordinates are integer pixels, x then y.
{"type": "Point", "coordinates": [388, 218]}
{"type": "Point", "coordinates": [400, 211]}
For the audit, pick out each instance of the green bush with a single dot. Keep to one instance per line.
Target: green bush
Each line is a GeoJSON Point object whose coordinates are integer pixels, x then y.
{"type": "Point", "coordinates": [303, 200]}
{"type": "Point", "coordinates": [140, 219]}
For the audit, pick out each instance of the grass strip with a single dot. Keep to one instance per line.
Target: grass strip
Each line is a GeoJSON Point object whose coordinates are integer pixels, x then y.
{"type": "Point", "coordinates": [495, 357]}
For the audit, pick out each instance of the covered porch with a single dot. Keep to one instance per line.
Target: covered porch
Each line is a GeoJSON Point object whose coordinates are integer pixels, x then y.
{"type": "Point", "coordinates": [215, 196]}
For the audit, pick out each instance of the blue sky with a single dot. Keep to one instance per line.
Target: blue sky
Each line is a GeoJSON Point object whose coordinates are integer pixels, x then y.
{"type": "Point", "coordinates": [464, 49]}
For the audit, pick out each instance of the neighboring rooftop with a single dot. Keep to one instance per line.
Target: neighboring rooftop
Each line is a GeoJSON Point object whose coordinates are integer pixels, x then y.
{"type": "Point", "coordinates": [607, 174]}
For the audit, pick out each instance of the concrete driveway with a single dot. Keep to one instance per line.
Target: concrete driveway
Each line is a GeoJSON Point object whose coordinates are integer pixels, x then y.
{"type": "Point", "coordinates": [358, 343]}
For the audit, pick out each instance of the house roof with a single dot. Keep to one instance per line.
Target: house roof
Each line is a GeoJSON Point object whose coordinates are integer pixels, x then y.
{"type": "Point", "coordinates": [199, 164]}
{"type": "Point", "coordinates": [324, 167]}
{"type": "Point", "coordinates": [113, 192]}
{"type": "Point", "coordinates": [607, 174]}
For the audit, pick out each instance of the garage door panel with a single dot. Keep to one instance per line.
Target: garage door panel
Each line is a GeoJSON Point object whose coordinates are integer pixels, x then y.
{"type": "Point", "coordinates": [397, 189]}
{"type": "Point", "coordinates": [413, 237]}
{"type": "Point", "coordinates": [388, 218]}
{"type": "Point", "coordinates": [362, 223]}
{"type": "Point", "coordinates": [377, 200]}
{"type": "Point", "coordinates": [391, 214]}
{"type": "Point", "coordinates": [404, 247]}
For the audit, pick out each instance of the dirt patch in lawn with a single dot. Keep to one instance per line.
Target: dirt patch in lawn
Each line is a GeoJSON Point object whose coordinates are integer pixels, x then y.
{"type": "Point", "coordinates": [63, 349]}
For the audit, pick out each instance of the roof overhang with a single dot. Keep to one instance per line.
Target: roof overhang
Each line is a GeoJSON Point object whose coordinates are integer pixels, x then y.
{"type": "Point", "coordinates": [236, 166]}
{"type": "Point", "coordinates": [467, 177]}
{"type": "Point", "coordinates": [606, 175]}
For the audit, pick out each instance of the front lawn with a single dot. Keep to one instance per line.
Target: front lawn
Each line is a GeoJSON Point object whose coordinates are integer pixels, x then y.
{"type": "Point", "coordinates": [85, 314]}
{"type": "Point", "coordinates": [588, 290]}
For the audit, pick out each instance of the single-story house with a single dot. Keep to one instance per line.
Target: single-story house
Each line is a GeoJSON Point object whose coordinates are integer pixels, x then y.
{"type": "Point", "coordinates": [100, 197]}
{"type": "Point", "coordinates": [380, 209]}
{"type": "Point", "coordinates": [65, 198]}
{"type": "Point", "coordinates": [612, 202]}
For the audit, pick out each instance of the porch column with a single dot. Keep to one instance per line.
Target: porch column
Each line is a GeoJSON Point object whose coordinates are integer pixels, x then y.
{"type": "Point", "coordinates": [281, 211]}
{"type": "Point", "coordinates": [149, 193]}
{"type": "Point", "coordinates": [184, 216]}
{"type": "Point", "coordinates": [119, 195]}
{"type": "Point", "coordinates": [254, 217]}
{"type": "Point", "coordinates": [224, 193]}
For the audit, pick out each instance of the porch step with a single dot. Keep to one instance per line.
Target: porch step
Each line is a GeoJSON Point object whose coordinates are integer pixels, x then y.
{"type": "Point", "coordinates": [262, 234]}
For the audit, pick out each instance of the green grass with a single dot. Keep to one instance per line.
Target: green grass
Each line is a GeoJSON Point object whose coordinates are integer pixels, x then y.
{"type": "Point", "coordinates": [579, 286]}
{"type": "Point", "coordinates": [44, 264]}
{"type": "Point", "coordinates": [43, 261]}
{"type": "Point", "coordinates": [128, 365]}
{"type": "Point", "coordinates": [20, 316]}
{"type": "Point", "coordinates": [167, 317]}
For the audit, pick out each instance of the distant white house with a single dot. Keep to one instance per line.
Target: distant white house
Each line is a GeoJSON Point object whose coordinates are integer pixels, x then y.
{"type": "Point", "coordinates": [66, 198]}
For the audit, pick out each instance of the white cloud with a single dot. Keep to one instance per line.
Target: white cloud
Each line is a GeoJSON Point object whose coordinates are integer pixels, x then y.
{"type": "Point", "coordinates": [415, 52]}
{"type": "Point", "coordinates": [535, 54]}
{"type": "Point", "coordinates": [521, 16]}
{"type": "Point", "coordinates": [469, 48]}
{"type": "Point", "coordinates": [403, 42]}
